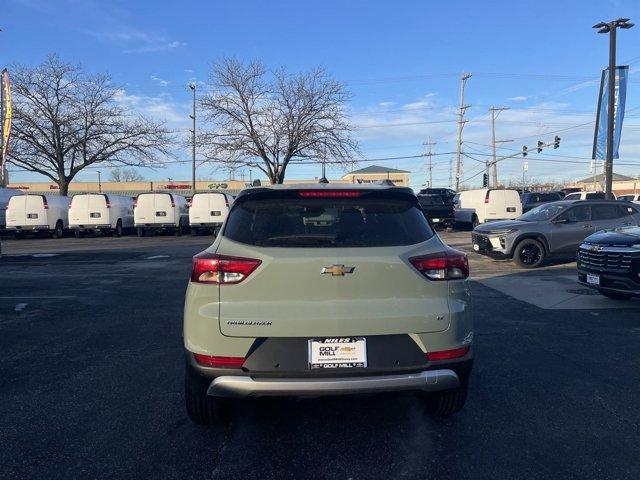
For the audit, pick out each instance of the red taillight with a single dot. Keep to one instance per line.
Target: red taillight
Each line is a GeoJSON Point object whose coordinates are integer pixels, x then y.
{"type": "Point", "coordinates": [448, 265]}
{"type": "Point", "coordinates": [107, 200]}
{"type": "Point", "coordinates": [45, 203]}
{"type": "Point", "coordinates": [135, 202]}
{"type": "Point", "coordinates": [218, 362]}
{"type": "Point", "coordinates": [448, 354]}
{"type": "Point", "coordinates": [486, 196]}
{"type": "Point", "coordinates": [221, 269]}
{"type": "Point", "coordinates": [189, 203]}
{"type": "Point", "coordinates": [329, 193]}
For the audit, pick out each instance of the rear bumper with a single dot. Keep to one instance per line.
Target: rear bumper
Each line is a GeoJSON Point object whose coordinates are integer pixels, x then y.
{"type": "Point", "coordinates": [155, 225]}
{"type": "Point", "coordinates": [243, 386]}
{"type": "Point", "coordinates": [91, 227]}
{"type": "Point", "coordinates": [205, 224]}
{"type": "Point", "coordinates": [28, 228]}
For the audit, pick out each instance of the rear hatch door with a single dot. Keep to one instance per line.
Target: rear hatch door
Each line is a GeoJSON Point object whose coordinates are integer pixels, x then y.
{"type": "Point", "coordinates": [304, 288]}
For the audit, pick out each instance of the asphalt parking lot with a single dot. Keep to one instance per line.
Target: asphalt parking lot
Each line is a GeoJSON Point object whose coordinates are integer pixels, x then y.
{"type": "Point", "coordinates": [91, 381]}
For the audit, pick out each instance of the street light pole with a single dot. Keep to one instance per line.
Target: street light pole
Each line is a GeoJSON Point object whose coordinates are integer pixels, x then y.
{"type": "Point", "coordinates": [610, 28]}
{"type": "Point", "coordinates": [99, 183]}
{"type": "Point", "coordinates": [193, 139]}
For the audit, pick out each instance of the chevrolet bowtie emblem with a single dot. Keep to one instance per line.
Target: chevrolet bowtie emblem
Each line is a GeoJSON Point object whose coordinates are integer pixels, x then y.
{"type": "Point", "coordinates": [337, 270]}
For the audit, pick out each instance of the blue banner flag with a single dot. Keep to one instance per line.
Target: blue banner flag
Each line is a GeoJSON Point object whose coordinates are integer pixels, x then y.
{"type": "Point", "coordinates": [602, 115]}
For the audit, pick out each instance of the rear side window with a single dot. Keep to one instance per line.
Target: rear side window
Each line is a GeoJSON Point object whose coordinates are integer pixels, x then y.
{"type": "Point", "coordinates": [288, 220]}
{"type": "Point", "coordinates": [595, 196]}
{"type": "Point", "coordinates": [605, 212]}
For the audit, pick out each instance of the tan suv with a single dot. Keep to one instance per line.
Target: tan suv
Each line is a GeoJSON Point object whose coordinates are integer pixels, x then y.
{"type": "Point", "coordinates": [323, 290]}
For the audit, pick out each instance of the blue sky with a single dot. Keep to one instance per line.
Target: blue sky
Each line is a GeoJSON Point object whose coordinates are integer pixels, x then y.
{"type": "Point", "coordinates": [401, 60]}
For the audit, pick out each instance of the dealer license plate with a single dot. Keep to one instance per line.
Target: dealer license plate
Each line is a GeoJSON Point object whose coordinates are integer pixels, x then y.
{"type": "Point", "coordinates": [436, 220]}
{"type": "Point", "coordinates": [161, 214]}
{"type": "Point", "coordinates": [593, 279]}
{"type": "Point", "coordinates": [476, 247]}
{"type": "Point", "coordinates": [95, 215]}
{"type": "Point", "coordinates": [350, 352]}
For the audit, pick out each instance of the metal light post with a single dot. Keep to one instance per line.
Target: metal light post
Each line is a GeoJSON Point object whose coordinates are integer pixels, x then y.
{"type": "Point", "coordinates": [610, 28]}
{"type": "Point", "coordinates": [193, 139]}
{"type": "Point", "coordinates": [99, 183]}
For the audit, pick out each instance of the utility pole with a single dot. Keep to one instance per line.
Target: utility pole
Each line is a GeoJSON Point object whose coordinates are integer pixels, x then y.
{"type": "Point", "coordinates": [461, 122]}
{"type": "Point", "coordinates": [192, 86]}
{"type": "Point", "coordinates": [495, 111]}
{"type": "Point", "coordinates": [99, 182]}
{"type": "Point", "coordinates": [429, 154]}
{"type": "Point", "coordinates": [525, 167]}
{"type": "Point", "coordinates": [611, 28]}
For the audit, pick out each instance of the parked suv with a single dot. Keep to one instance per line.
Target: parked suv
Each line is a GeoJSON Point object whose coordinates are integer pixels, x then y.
{"type": "Point", "coordinates": [609, 261]}
{"type": "Point", "coordinates": [535, 199]}
{"type": "Point", "coordinates": [322, 290]}
{"type": "Point", "coordinates": [556, 228]}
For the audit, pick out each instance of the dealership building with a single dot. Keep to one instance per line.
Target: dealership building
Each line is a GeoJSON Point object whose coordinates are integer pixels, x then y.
{"type": "Point", "coordinates": [369, 174]}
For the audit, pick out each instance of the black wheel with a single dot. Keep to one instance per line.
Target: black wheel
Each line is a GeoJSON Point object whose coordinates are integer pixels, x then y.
{"type": "Point", "coordinates": [529, 253]}
{"type": "Point", "coordinates": [140, 231]}
{"type": "Point", "coordinates": [58, 231]}
{"type": "Point", "coordinates": [18, 234]}
{"type": "Point", "coordinates": [615, 295]}
{"type": "Point", "coordinates": [201, 408]}
{"type": "Point", "coordinates": [118, 231]}
{"type": "Point", "coordinates": [79, 233]}
{"type": "Point", "coordinates": [446, 403]}
{"type": "Point", "coordinates": [474, 222]}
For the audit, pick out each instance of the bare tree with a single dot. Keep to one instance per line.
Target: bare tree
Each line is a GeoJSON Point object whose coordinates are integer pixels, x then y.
{"type": "Point", "coordinates": [65, 119]}
{"type": "Point", "coordinates": [269, 120]}
{"type": "Point", "coordinates": [125, 175]}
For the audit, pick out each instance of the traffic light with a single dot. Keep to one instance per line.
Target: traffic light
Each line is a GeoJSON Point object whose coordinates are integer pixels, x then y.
{"type": "Point", "coordinates": [524, 150]}
{"type": "Point", "coordinates": [556, 142]}
{"type": "Point", "coordinates": [540, 145]}
{"type": "Point", "coordinates": [485, 180]}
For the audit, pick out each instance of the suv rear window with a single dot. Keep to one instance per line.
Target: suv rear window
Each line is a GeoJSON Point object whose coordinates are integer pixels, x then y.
{"type": "Point", "coordinates": [285, 219]}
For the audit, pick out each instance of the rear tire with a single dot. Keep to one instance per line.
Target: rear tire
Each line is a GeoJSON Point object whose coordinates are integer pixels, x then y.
{"type": "Point", "coordinates": [529, 253]}
{"type": "Point", "coordinates": [140, 231]}
{"type": "Point", "coordinates": [58, 231]}
{"type": "Point", "coordinates": [446, 403]}
{"type": "Point", "coordinates": [194, 232]}
{"type": "Point", "coordinates": [18, 235]}
{"type": "Point", "coordinates": [79, 233]}
{"type": "Point", "coordinates": [616, 295]}
{"type": "Point", "coordinates": [118, 231]}
{"type": "Point", "coordinates": [202, 409]}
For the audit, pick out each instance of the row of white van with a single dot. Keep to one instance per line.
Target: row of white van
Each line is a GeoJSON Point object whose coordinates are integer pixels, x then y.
{"type": "Point", "coordinates": [99, 212]}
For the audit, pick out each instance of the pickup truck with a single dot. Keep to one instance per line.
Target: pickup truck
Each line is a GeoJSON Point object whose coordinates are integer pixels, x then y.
{"type": "Point", "coordinates": [438, 210]}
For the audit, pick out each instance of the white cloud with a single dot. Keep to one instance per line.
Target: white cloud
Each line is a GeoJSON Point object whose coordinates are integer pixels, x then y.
{"type": "Point", "coordinates": [160, 81]}
{"type": "Point", "coordinates": [386, 104]}
{"type": "Point", "coordinates": [519, 98]}
{"type": "Point", "coordinates": [156, 47]}
{"type": "Point", "coordinates": [160, 107]}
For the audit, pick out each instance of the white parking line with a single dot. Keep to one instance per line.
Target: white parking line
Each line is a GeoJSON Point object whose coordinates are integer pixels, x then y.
{"type": "Point", "coordinates": [20, 306]}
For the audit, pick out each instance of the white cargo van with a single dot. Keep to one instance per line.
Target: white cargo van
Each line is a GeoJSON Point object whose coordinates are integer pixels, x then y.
{"type": "Point", "coordinates": [630, 197]}
{"type": "Point", "coordinates": [100, 212]}
{"type": "Point", "coordinates": [160, 211]}
{"type": "Point", "coordinates": [5, 195]}
{"type": "Point", "coordinates": [586, 196]}
{"type": "Point", "coordinates": [32, 213]}
{"type": "Point", "coordinates": [486, 205]}
{"type": "Point", "coordinates": [208, 210]}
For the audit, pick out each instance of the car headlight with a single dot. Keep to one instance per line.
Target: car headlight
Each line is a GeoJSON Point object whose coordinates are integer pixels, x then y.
{"type": "Point", "coordinates": [502, 232]}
